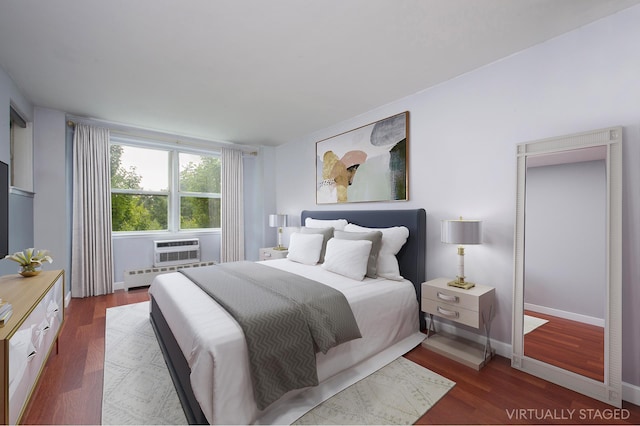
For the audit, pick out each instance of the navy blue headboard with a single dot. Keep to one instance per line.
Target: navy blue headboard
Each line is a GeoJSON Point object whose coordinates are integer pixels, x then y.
{"type": "Point", "coordinates": [412, 256]}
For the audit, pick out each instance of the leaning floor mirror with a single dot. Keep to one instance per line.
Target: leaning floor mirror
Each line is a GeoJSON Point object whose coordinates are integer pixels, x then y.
{"type": "Point", "coordinates": [567, 313]}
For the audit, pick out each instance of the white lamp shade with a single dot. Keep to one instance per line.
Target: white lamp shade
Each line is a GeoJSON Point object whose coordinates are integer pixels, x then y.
{"type": "Point", "coordinates": [277, 220]}
{"type": "Point", "coordinates": [461, 231]}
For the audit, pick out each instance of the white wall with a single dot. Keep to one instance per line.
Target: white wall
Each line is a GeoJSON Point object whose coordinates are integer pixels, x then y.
{"type": "Point", "coordinates": [51, 206]}
{"type": "Point", "coordinates": [137, 251]}
{"type": "Point", "coordinates": [462, 152]}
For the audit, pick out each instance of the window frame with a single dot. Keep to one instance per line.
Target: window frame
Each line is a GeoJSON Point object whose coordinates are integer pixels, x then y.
{"type": "Point", "coordinates": [173, 193]}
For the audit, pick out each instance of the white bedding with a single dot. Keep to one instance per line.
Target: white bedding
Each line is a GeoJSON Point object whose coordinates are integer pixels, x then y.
{"type": "Point", "coordinates": [213, 343]}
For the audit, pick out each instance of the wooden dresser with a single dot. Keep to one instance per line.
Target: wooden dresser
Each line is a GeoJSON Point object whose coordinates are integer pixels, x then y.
{"type": "Point", "coordinates": [28, 336]}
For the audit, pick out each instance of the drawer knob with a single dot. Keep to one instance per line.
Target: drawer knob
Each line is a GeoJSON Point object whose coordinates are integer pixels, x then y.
{"type": "Point", "coordinates": [448, 313]}
{"type": "Point", "coordinates": [448, 298]}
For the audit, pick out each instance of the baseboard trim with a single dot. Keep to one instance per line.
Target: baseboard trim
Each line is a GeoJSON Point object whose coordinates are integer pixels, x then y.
{"type": "Point", "coordinates": [564, 314]}
{"type": "Point", "coordinates": [631, 393]}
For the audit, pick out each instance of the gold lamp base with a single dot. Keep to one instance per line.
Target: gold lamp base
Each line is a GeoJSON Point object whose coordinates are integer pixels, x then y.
{"type": "Point", "coordinates": [461, 283]}
{"type": "Point", "coordinates": [281, 248]}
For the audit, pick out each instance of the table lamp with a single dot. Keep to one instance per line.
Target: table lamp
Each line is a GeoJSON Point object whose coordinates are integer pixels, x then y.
{"type": "Point", "coordinates": [278, 220]}
{"type": "Point", "coordinates": [461, 232]}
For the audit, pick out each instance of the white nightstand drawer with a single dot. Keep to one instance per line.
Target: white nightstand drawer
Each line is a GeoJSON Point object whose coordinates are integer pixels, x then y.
{"type": "Point", "coordinates": [271, 253]}
{"type": "Point", "coordinates": [479, 298]}
{"type": "Point", "coordinates": [452, 297]}
{"type": "Point", "coordinates": [452, 312]}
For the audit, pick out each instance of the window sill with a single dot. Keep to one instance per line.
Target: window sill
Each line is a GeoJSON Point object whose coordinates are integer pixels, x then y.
{"type": "Point", "coordinates": [164, 234]}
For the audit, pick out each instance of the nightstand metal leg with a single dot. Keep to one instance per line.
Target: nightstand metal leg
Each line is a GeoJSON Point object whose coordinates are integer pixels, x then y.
{"type": "Point", "coordinates": [432, 326]}
{"type": "Point", "coordinates": [488, 351]}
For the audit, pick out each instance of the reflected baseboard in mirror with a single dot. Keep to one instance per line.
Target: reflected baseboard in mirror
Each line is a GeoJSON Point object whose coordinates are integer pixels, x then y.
{"type": "Point", "coordinates": [568, 258]}
{"type": "Point", "coordinates": [568, 344]}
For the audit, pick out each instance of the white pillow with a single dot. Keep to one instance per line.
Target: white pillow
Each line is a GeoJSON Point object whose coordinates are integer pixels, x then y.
{"type": "Point", "coordinates": [376, 241]}
{"type": "Point", "coordinates": [347, 257]}
{"type": "Point", "coordinates": [392, 241]}
{"type": "Point", "coordinates": [305, 248]}
{"type": "Point", "coordinates": [327, 234]}
{"type": "Point", "coordinates": [338, 224]}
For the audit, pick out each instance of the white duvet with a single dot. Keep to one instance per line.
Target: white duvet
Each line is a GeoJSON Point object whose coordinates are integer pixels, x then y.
{"type": "Point", "coordinates": [214, 346]}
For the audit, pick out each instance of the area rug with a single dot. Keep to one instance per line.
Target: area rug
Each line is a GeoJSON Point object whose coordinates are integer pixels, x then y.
{"type": "Point", "coordinates": [531, 323]}
{"type": "Point", "coordinates": [399, 393]}
{"type": "Point", "coordinates": [138, 388]}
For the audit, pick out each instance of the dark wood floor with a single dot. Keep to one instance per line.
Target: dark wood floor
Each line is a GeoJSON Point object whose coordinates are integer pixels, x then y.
{"type": "Point", "coordinates": [567, 344]}
{"type": "Point", "coordinates": [70, 389]}
{"type": "Point", "coordinates": [499, 394]}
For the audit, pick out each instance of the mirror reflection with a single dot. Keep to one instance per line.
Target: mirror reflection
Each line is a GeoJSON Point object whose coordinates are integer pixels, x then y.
{"type": "Point", "coordinates": [565, 260]}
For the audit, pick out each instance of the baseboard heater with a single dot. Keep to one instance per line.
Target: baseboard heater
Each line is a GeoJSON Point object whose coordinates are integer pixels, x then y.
{"type": "Point", "coordinates": [143, 277]}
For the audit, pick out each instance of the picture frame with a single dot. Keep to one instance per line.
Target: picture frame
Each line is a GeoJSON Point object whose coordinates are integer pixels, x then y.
{"type": "Point", "coordinates": [366, 164]}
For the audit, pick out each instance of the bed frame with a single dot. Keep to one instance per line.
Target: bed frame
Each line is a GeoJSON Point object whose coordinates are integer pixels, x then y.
{"type": "Point", "coordinates": [411, 259]}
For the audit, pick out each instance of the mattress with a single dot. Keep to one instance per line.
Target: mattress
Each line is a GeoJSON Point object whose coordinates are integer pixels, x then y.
{"type": "Point", "coordinates": [213, 343]}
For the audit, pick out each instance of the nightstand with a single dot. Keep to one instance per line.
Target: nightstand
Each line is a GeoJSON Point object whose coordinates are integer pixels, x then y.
{"type": "Point", "coordinates": [473, 307]}
{"type": "Point", "coordinates": [270, 253]}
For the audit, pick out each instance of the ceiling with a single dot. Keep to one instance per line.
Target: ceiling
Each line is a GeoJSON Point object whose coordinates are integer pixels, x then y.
{"type": "Point", "coordinates": [255, 71]}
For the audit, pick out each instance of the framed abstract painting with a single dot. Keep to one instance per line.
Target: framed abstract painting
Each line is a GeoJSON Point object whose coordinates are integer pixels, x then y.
{"type": "Point", "coordinates": [365, 164]}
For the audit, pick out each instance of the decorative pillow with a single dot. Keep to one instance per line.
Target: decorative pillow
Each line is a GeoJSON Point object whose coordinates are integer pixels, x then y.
{"type": "Point", "coordinates": [392, 241]}
{"type": "Point", "coordinates": [347, 257]}
{"type": "Point", "coordinates": [376, 241]}
{"type": "Point", "coordinates": [322, 223]}
{"type": "Point", "coordinates": [305, 248]}
{"type": "Point", "coordinates": [327, 234]}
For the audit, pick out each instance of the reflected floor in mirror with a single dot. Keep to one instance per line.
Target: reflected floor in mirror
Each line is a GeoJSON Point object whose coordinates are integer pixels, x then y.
{"type": "Point", "coordinates": [572, 345]}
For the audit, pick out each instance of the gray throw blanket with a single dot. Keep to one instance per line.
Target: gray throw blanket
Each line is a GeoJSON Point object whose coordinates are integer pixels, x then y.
{"type": "Point", "coordinates": [286, 320]}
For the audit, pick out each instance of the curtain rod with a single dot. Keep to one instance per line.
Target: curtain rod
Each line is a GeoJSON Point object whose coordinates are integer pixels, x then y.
{"type": "Point", "coordinates": [128, 130]}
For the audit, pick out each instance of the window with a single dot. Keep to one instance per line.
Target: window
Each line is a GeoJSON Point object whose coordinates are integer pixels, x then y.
{"type": "Point", "coordinates": [199, 191]}
{"type": "Point", "coordinates": [162, 189]}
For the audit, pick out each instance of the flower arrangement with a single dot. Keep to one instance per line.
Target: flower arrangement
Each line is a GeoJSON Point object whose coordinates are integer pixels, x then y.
{"type": "Point", "coordinates": [30, 260]}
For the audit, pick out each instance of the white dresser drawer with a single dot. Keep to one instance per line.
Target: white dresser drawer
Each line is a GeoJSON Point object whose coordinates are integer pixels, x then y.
{"type": "Point", "coordinates": [29, 347]}
{"type": "Point", "coordinates": [25, 361]}
{"type": "Point", "coordinates": [28, 336]}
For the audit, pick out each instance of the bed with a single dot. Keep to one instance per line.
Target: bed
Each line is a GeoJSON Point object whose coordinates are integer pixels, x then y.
{"type": "Point", "coordinates": [206, 353]}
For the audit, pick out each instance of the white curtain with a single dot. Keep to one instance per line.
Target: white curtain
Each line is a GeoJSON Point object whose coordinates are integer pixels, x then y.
{"type": "Point", "coordinates": [91, 257]}
{"type": "Point", "coordinates": [232, 215]}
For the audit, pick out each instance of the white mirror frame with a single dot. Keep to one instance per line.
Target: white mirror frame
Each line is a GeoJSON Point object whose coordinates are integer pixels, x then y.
{"type": "Point", "coordinates": [609, 391]}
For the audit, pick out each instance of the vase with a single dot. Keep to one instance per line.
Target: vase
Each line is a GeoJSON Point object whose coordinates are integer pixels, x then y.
{"type": "Point", "coordinates": [30, 270]}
